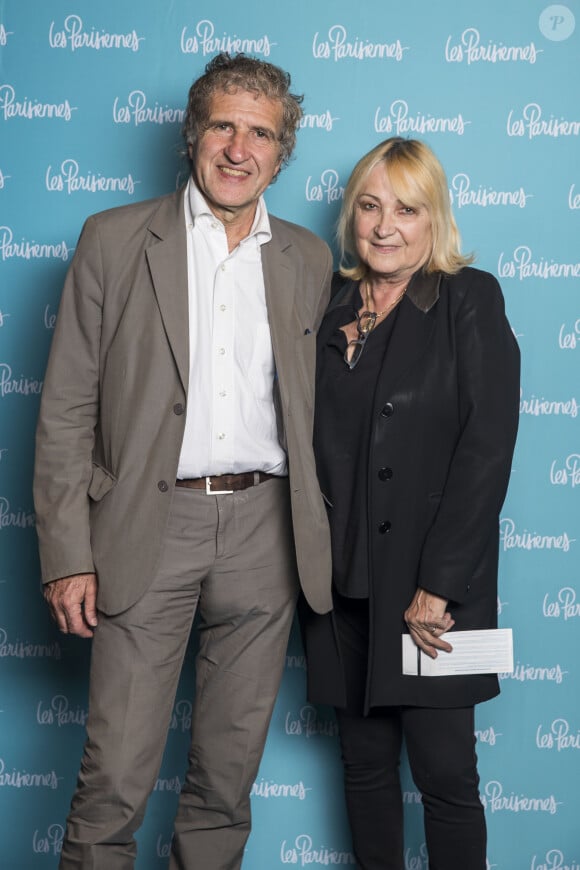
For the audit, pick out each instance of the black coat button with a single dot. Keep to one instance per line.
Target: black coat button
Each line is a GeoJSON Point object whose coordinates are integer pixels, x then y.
{"type": "Point", "coordinates": [178, 409]}
{"type": "Point", "coordinates": [387, 410]}
{"type": "Point", "coordinates": [385, 473]}
{"type": "Point", "coordinates": [385, 526]}
{"type": "Point", "coordinates": [162, 486]}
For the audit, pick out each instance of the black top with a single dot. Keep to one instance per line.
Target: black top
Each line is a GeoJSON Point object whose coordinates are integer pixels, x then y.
{"type": "Point", "coordinates": [342, 427]}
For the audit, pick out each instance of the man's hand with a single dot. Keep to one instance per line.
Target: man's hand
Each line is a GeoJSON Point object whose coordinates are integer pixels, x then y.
{"type": "Point", "coordinates": [73, 603]}
{"type": "Point", "coordinates": [427, 620]}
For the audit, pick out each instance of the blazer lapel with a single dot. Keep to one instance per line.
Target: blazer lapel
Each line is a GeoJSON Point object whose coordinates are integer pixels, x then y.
{"type": "Point", "coordinates": [280, 284]}
{"type": "Point", "coordinates": [167, 258]}
{"type": "Point", "coordinates": [280, 288]}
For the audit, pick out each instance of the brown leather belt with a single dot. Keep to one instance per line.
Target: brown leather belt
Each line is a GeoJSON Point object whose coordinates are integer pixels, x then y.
{"type": "Point", "coordinates": [221, 484]}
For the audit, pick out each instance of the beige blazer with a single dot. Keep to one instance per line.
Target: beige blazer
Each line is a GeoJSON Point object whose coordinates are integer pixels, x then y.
{"type": "Point", "coordinates": [112, 412]}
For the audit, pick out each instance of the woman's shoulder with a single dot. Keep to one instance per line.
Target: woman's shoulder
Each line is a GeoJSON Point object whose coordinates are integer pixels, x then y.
{"type": "Point", "coordinates": [474, 293]}
{"type": "Point", "coordinates": [342, 291]}
{"type": "Point", "coordinates": [338, 282]}
{"type": "Point", "coordinates": [469, 276]}
{"type": "Point", "coordinates": [472, 284]}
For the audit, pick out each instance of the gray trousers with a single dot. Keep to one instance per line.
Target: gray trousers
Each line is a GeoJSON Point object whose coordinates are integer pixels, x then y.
{"type": "Point", "coordinates": [231, 557]}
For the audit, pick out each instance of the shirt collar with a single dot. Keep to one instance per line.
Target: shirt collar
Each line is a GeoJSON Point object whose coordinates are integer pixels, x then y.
{"type": "Point", "coordinates": [423, 291]}
{"type": "Point", "coordinates": [198, 208]}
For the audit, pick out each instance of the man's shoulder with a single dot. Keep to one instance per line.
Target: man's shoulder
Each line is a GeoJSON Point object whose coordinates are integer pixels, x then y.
{"type": "Point", "coordinates": [136, 212]}
{"type": "Point", "coordinates": [286, 232]}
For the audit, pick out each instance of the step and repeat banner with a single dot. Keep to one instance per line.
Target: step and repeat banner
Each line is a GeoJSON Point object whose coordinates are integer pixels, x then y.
{"type": "Point", "coordinates": [91, 102]}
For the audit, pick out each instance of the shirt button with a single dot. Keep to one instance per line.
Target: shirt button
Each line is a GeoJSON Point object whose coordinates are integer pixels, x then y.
{"type": "Point", "coordinates": [221, 351]}
{"type": "Point", "coordinates": [178, 409]}
{"type": "Point", "coordinates": [387, 410]}
{"type": "Point", "coordinates": [385, 526]}
{"type": "Point", "coordinates": [222, 394]}
{"type": "Point", "coordinates": [221, 436]}
{"type": "Point", "coordinates": [222, 307]}
{"type": "Point", "coordinates": [162, 486]}
{"type": "Point", "coordinates": [385, 473]}
{"type": "Point", "coordinates": [223, 267]}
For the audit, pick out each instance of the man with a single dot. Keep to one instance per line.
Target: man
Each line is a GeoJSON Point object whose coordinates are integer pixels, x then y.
{"type": "Point", "coordinates": [175, 473]}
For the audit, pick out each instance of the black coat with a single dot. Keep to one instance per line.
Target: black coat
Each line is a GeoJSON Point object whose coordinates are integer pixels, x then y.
{"type": "Point", "coordinates": [445, 420]}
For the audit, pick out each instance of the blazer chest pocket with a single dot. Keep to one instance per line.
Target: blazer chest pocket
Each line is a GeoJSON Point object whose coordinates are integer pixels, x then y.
{"type": "Point", "coordinates": [101, 483]}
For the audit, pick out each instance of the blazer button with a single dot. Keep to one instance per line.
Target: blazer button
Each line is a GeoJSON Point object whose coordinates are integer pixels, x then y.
{"type": "Point", "coordinates": [385, 473]}
{"type": "Point", "coordinates": [385, 526]}
{"type": "Point", "coordinates": [162, 486]}
{"type": "Point", "coordinates": [178, 409]}
{"type": "Point", "coordinates": [387, 410]}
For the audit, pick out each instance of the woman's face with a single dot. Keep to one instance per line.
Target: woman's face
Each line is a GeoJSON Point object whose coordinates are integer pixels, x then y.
{"type": "Point", "coordinates": [393, 239]}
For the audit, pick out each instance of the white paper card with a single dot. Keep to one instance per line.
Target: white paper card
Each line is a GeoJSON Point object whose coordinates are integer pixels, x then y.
{"type": "Point", "coordinates": [488, 651]}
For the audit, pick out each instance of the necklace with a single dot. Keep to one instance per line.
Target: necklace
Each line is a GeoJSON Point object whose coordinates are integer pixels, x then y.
{"type": "Point", "coordinates": [367, 319]}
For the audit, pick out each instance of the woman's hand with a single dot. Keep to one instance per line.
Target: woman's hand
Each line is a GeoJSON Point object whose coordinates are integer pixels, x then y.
{"type": "Point", "coordinates": [428, 619]}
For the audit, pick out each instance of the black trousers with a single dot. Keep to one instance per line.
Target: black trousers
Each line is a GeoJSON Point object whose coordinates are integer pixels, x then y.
{"type": "Point", "coordinates": [441, 750]}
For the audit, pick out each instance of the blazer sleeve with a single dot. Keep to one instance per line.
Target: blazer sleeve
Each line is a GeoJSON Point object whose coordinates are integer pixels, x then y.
{"type": "Point", "coordinates": [68, 416]}
{"type": "Point", "coordinates": [488, 373]}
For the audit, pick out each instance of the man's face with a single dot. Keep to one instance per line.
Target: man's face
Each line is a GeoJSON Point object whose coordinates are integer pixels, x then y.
{"type": "Point", "coordinates": [238, 154]}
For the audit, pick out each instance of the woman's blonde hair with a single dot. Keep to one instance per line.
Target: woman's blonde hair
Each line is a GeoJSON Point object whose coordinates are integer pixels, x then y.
{"type": "Point", "coordinates": [418, 180]}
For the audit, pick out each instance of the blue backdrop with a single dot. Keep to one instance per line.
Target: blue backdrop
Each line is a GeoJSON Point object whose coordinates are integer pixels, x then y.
{"type": "Point", "coordinates": [91, 99]}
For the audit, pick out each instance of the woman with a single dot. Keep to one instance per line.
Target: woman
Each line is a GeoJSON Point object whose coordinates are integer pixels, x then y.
{"type": "Point", "coordinates": [417, 410]}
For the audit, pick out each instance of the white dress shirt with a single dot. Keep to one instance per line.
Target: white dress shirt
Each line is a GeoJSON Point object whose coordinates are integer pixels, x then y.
{"type": "Point", "coordinates": [230, 423]}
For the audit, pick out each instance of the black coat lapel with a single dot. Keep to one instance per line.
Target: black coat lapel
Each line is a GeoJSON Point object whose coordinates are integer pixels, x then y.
{"type": "Point", "coordinates": [410, 339]}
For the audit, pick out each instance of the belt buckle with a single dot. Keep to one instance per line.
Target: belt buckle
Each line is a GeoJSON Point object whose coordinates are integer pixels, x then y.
{"type": "Point", "coordinates": [210, 491]}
